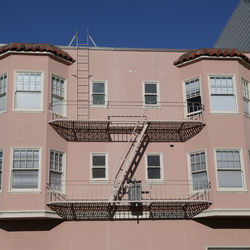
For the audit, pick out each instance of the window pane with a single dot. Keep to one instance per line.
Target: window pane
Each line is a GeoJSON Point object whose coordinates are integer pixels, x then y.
{"type": "Point", "coordinates": [154, 173]}
{"type": "Point", "coordinates": [98, 173]}
{"type": "Point", "coordinates": [153, 160]}
{"type": "Point", "coordinates": [194, 104]}
{"type": "Point", "coordinates": [199, 180]}
{"type": "Point", "coordinates": [98, 99]}
{"type": "Point", "coordinates": [98, 87]}
{"type": "Point", "coordinates": [55, 180]}
{"type": "Point", "coordinates": [222, 103]}
{"type": "Point", "coordinates": [229, 179]}
{"type": "Point", "coordinates": [150, 88]}
{"type": "Point", "coordinates": [60, 162]}
{"type": "Point", "coordinates": [24, 179]}
{"type": "Point", "coordinates": [28, 100]}
{"type": "Point", "coordinates": [245, 106]}
{"type": "Point", "coordinates": [2, 102]}
{"type": "Point", "coordinates": [52, 160]}
{"type": "Point", "coordinates": [150, 99]}
{"type": "Point", "coordinates": [57, 105]}
{"type": "Point", "coordinates": [98, 160]}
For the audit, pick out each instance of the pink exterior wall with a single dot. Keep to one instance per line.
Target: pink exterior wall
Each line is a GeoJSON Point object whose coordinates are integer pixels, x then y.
{"type": "Point", "coordinates": [125, 72]}
{"type": "Point", "coordinates": [149, 235]}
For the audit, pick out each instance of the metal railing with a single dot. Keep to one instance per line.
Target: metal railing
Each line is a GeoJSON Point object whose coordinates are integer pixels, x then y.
{"type": "Point", "coordinates": [129, 110]}
{"type": "Point", "coordinates": [131, 191]}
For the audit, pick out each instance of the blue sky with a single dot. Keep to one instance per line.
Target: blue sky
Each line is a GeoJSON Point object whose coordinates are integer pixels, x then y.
{"type": "Point", "coordinates": [178, 24]}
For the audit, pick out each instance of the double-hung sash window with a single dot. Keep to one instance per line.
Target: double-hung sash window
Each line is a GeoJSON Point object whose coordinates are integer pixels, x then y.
{"type": "Point", "coordinates": [56, 170]}
{"type": "Point", "coordinates": [57, 95]}
{"type": "Point", "coordinates": [198, 170]}
{"type": "Point", "coordinates": [25, 169]}
{"type": "Point", "coordinates": [1, 167]}
{"type": "Point", "coordinates": [28, 92]}
{"type": "Point", "coordinates": [222, 94]}
{"type": "Point", "coordinates": [154, 167]}
{"type": "Point", "coordinates": [99, 166]}
{"type": "Point", "coordinates": [193, 96]}
{"type": "Point", "coordinates": [98, 93]}
{"type": "Point", "coordinates": [151, 94]}
{"type": "Point", "coordinates": [229, 169]}
{"type": "Point", "coordinates": [246, 96]}
{"type": "Point", "coordinates": [3, 89]}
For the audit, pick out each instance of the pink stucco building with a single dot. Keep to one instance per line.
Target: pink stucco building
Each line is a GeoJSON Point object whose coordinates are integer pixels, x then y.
{"type": "Point", "coordinates": [114, 149]}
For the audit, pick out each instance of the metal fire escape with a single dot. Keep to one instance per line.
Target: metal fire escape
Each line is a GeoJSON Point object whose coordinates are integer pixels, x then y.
{"type": "Point", "coordinates": [123, 197]}
{"type": "Point", "coordinates": [128, 154]}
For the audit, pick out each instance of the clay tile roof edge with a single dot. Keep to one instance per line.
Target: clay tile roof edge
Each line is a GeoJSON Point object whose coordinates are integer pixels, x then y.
{"type": "Point", "coordinates": [37, 47]}
{"type": "Point", "coordinates": [214, 52]}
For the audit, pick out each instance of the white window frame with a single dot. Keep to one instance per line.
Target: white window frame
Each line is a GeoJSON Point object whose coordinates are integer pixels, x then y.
{"type": "Point", "coordinates": [157, 83]}
{"type": "Point", "coordinates": [15, 90]}
{"type": "Point", "coordinates": [190, 173]}
{"type": "Point", "coordinates": [184, 82]}
{"type": "Point", "coordinates": [243, 188]}
{"type": "Point", "coordinates": [25, 190]}
{"type": "Point", "coordinates": [161, 167]}
{"type": "Point", "coordinates": [62, 98]}
{"type": "Point", "coordinates": [245, 87]}
{"type": "Point", "coordinates": [63, 172]}
{"type": "Point", "coordinates": [4, 93]}
{"type": "Point", "coordinates": [95, 180]}
{"type": "Point", "coordinates": [1, 170]}
{"type": "Point", "coordinates": [234, 94]}
{"type": "Point", "coordinates": [105, 93]}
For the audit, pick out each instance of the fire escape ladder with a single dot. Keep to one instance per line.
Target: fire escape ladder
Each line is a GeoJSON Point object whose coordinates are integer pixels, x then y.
{"type": "Point", "coordinates": [82, 74]}
{"type": "Point", "coordinates": [128, 155]}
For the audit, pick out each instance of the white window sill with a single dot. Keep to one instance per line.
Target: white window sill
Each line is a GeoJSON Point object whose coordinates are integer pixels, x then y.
{"type": "Point", "coordinates": [98, 106]}
{"type": "Point", "coordinates": [26, 111]}
{"type": "Point", "coordinates": [99, 181]}
{"type": "Point", "coordinates": [225, 191]}
{"type": "Point", "coordinates": [22, 191]}
{"type": "Point", "coordinates": [154, 181]}
{"type": "Point", "coordinates": [151, 106]}
{"type": "Point", "coordinates": [2, 112]}
{"type": "Point", "coordinates": [224, 113]}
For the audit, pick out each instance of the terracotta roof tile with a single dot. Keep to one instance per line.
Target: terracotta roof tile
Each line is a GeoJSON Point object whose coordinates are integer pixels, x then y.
{"type": "Point", "coordinates": [211, 52]}
{"type": "Point", "coordinates": [37, 47]}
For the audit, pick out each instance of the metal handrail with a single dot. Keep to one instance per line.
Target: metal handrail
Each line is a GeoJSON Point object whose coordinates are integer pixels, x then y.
{"type": "Point", "coordinates": [169, 190]}
{"type": "Point", "coordinates": [190, 111]}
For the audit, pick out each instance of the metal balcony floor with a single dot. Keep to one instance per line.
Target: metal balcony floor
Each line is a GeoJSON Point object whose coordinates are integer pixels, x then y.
{"type": "Point", "coordinates": [143, 210]}
{"type": "Point", "coordinates": [108, 131]}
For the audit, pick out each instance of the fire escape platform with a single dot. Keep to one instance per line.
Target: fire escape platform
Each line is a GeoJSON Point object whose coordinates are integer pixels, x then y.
{"type": "Point", "coordinates": [108, 131]}
{"type": "Point", "coordinates": [172, 199]}
{"type": "Point", "coordinates": [128, 210]}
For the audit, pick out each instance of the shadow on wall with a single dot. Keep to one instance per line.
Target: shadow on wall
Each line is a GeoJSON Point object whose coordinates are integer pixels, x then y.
{"type": "Point", "coordinates": [225, 222]}
{"type": "Point", "coordinates": [29, 225]}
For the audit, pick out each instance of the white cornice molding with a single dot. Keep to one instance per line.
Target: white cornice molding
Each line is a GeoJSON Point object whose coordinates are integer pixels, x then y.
{"type": "Point", "coordinates": [224, 213]}
{"type": "Point", "coordinates": [26, 214]}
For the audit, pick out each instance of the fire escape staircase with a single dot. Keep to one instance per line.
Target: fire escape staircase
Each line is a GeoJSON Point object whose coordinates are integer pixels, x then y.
{"type": "Point", "coordinates": [127, 156]}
